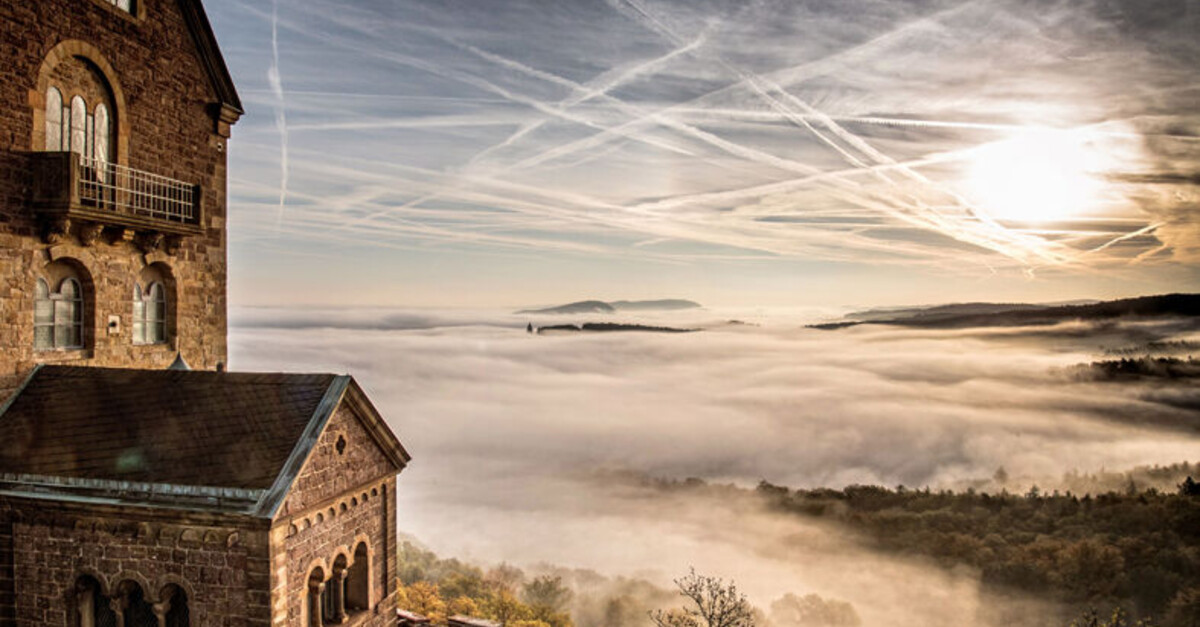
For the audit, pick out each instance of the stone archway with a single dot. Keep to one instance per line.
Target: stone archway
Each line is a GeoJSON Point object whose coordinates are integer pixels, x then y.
{"type": "Point", "coordinates": [64, 52]}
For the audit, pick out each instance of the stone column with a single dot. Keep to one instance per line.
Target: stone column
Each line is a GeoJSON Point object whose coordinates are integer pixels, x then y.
{"type": "Point", "coordinates": [339, 595]}
{"type": "Point", "coordinates": [118, 606]}
{"type": "Point", "coordinates": [85, 602]}
{"type": "Point", "coordinates": [163, 607]}
{"type": "Point", "coordinates": [315, 590]}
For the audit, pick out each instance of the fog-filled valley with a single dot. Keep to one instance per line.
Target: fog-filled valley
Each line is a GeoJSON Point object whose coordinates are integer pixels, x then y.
{"type": "Point", "coordinates": [551, 451]}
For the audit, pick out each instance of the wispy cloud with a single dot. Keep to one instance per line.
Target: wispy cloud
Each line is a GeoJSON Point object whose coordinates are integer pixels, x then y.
{"type": "Point", "coordinates": [275, 79]}
{"type": "Point", "coordinates": [804, 132]}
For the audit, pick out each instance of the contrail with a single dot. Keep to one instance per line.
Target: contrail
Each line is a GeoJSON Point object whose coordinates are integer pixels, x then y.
{"type": "Point", "coordinates": [1138, 233]}
{"type": "Point", "coordinates": [597, 87]}
{"type": "Point", "coordinates": [276, 82]}
{"type": "Point", "coordinates": [914, 212]}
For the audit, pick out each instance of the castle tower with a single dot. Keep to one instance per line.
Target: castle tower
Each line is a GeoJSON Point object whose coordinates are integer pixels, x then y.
{"type": "Point", "coordinates": [114, 118]}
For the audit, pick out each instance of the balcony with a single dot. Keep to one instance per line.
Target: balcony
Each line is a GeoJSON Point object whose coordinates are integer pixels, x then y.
{"type": "Point", "coordinates": [70, 188]}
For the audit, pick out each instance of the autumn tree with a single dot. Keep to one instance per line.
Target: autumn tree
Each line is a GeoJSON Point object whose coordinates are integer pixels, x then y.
{"type": "Point", "coordinates": [812, 610]}
{"type": "Point", "coordinates": [423, 598]}
{"type": "Point", "coordinates": [505, 608]}
{"type": "Point", "coordinates": [548, 598]}
{"type": "Point", "coordinates": [505, 576]}
{"type": "Point", "coordinates": [713, 603]}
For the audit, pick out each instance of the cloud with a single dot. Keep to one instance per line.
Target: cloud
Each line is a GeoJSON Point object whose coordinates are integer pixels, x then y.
{"type": "Point", "coordinates": [766, 127]}
{"type": "Point", "coordinates": [275, 79]}
{"type": "Point", "coordinates": [509, 430]}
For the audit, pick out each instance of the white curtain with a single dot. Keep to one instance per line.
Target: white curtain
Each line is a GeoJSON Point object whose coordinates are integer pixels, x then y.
{"type": "Point", "coordinates": [78, 125]}
{"type": "Point", "coordinates": [54, 112]}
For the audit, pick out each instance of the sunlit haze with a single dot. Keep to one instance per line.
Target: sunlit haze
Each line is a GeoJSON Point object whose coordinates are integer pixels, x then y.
{"type": "Point", "coordinates": [456, 200]}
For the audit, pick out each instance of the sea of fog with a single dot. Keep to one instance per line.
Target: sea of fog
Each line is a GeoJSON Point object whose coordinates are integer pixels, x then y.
{"type": "Point", "coordinates": [515, 436]}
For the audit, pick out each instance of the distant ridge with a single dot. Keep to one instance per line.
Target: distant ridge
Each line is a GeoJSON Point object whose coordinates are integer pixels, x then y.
{"type": "Point", "coordinates": [955, 309]}
{"type": "Point", "coordinates": [608, 327]}
{"type": "Point", "coordinates": [992, 314]}
{"type": "Point", "coordinates": [666, 304]}
{"type": "Point", "coordinates": [583, 306]}
{"type": "Point", "coordinates": [599, 306]}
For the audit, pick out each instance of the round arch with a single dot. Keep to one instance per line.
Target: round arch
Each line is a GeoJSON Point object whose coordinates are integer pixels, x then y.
{"type": "Point", "coordinates": [344, 552]}
{"type": "Point", "coordinates": [362, 538]}
{"type": "Point", "coordinates": [131, 575]}
{"type": "Point", "coordinates": [161, 583]}
{"type": "Point", "coordinates": [62, 268]}
{"type": "Point", "coordinates": [317, 563]}
{"type": "Point", "coordinates": [160, 272]}
{"type": "Point", "coordinates": [87, 600]}
{"type": "Point", "coordinates": [315, 594]}
{"type": "Point", "coordinates": [361, 591]}
{"type": "Point", "coordinates": [81, 49]}
{"type": "Point", "coordinates": [87, 571]}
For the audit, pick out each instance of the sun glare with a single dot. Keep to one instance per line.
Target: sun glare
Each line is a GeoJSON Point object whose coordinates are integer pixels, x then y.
{"type": "Point", "coordinates": [1035, 177]}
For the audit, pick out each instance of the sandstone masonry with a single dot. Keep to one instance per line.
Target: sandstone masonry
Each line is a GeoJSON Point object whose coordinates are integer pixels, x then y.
{"type": "Point", "coordinates": [133, 495]}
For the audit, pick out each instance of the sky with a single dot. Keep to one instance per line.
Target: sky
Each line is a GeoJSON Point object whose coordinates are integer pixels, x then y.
{"type": "Point", "coordinates": [459, 153]}
{"type": "Point", "coordinates": [412, 172]}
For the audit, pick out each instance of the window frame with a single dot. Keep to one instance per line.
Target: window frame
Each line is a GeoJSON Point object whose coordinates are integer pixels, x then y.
{"type": "Point", "coordinates": [149, 314]}
{"type": "Point", "coordinates": [72, 327]}
{"type": "Point", "coordinates": [133, 11]}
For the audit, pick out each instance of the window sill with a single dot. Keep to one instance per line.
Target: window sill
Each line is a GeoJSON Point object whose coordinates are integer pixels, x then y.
{"type": "Point", "coordinates": [61, 354]}
{"type": "Point", "coordinates": [148, 350]}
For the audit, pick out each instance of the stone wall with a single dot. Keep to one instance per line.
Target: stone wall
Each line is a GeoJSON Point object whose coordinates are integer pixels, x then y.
{"type": "Point", "coordinates": [343, 495]}
{"type": "Point", "coordinates": [163, 124]}
{"type": "Point", "coordinates": [218, 564]}
{"type": "Point", "coordinates": [332, 470]}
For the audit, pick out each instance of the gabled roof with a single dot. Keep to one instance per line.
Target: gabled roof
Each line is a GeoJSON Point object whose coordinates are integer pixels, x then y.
{"type": "Point", "coordinates": [231, 442]}
{"type": "Point", "coordinates": [210, 53]}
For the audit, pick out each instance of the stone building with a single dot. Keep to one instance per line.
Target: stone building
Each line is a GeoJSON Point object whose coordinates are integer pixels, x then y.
{"type": "Point", "coordinates": [115, 119]}
{"type": "Point", "coordinates": [132, 494]}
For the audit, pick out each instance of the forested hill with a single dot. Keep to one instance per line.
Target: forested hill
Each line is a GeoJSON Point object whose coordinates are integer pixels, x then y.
{"type": "Point", "coordinates": [1133, 549]}
{"type": "Point", "coordinates": [599, 306]}
{"type": "Point", "coordinates": [979, 315]}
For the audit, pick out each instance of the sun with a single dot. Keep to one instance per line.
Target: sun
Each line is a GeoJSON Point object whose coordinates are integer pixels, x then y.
{"type": "Point", "coordinates": [1038, 176]}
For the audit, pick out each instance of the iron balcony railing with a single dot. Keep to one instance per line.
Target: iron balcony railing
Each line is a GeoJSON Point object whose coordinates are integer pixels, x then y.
{"type": "Point", "coordinates": [106, 185]}
{"type": "Point", "coordinates": [105, 192]}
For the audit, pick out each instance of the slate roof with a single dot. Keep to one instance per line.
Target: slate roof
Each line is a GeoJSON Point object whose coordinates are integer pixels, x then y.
{"type": "Point", "coordinates": [230, 441]}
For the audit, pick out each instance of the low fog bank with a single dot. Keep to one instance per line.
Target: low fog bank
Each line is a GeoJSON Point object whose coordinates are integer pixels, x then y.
{"type": "Point", "coordinates": [508, 431]}
{"type": "Point", "coordinates": [389, 319]}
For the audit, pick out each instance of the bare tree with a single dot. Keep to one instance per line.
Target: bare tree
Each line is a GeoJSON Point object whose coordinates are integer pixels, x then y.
{"type": "Point", "coordinates": [713, 604]}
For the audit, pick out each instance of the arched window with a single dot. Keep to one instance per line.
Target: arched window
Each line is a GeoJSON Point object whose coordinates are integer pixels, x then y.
{"type": "Point", "coordinates": [72, 128]}
{"type": "Point", "coordinates": [357, 581]}
{"type": "Point", "coordinates": [58, 316]}
{"type": "Point", "coordinates": [81, 110]}
{"type": "Point", "coordinates": [150, 314]}
{"type": "Point", "coordinates": [174, 605]}
{"type": "Point", "coordinates": [92, 608]}
{"type": "Point", "coordinates": [79, 126]}
{"type": "Point", "coordinates": [132, 608]}
{"type": "Point", "coordinates": [337, 600]}
{"type": "Point", "coordinates": [54, 119]}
